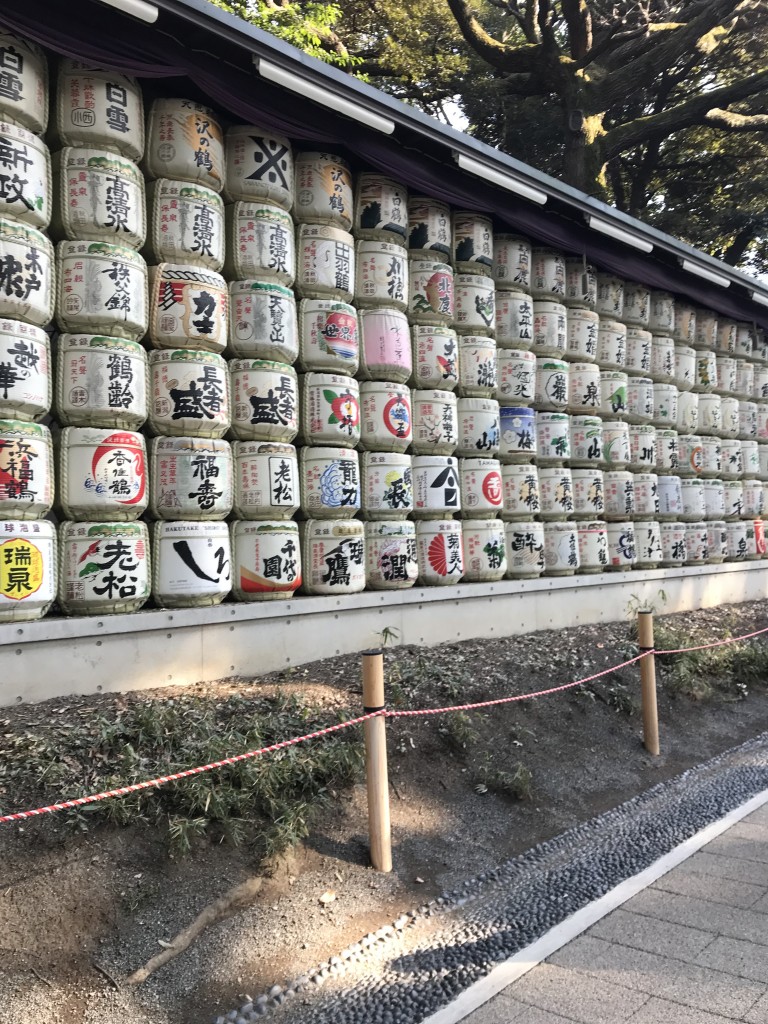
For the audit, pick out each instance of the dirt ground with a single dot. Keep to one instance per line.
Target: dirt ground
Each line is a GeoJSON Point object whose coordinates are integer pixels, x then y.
{"type": "Point", "coordinates": [80, 911]}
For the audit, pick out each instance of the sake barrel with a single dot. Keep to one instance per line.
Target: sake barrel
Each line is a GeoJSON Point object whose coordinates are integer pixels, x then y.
{"type": "Point", "coordinates": [266, 560]}
{"type": "Point", "coordinates": [514, 318]}
{"type": "Point", "coordinates": [323, 190]}
{"type": "Point", "coordinates": [511, 261]}
{"type": "Point", "coordinates": [556, 493]}
{"type": "Point", "coordinates": [431, 287]}
{"type": "Point", "coordinates": [714, 499]}
{"type": "Point", "coordinates": [667, 451]}
{"type": "Point", "coordinates": [260, 243]}
{"type": "Point", "coordinates": [472, 243]}
{"type": "Point", "coordinates": [706, 372]}
{"type": "Point", "coordinates": [330, 483]}
{"type": "Point", "coordinates": [662, 313]}
{"type": "Point", "coordinates": [611, 344]}
{"type": "Point", "coordinates": [547, 273]}
{"type": "Point", "coordinates": [744, 340]}
{"type": "Point", "coordinates": [100, 108]}
{"type": "Point", "coordinates": [553, 438]}
{"type": "Point", "coordinates": [328, 336]}
{"type": "Point", "coordinates": [762, 451]}
{"type": "Point", "coordinates": [637, 305]}
{"type": "Point", "coordinates": [520, 490]}
{"type": "Point", "coordinates": [753, 500]}
{"type": "Point", "coordinates": [648, 545]}
{"type": "Point", "coordinates": [387, 485]}
{"type": "Point", "coordinates": [26, 470]}
{"type": "Point", "coordinates": [760, 391]}
{"type": "Point", "coordinates": [190, 394]}
{"type": "Point", "coordinates": [436, 357]}
{"type": "Point", "coordinates": [673, 547]}
{"type": "Point", "coordinates": [584, 388]}
{"type": "Point", "coordinates": [717, 541]}
{"type": "Point", "coordinates": [381, 209]}
{"type": "Point", "coordinates": [736, 541]}
{"type": "Point", "coordinates": [480, 366]}
{"type": "Point", "coordinates": [25, 188]}
{"type": "Point", "coordinates": [27, 280]}
{"type": "Point", "coordinates": [549, 329]}
{"type": "Point", "coordinates": [684, 373]}
{"type": "Point", "coordinates": [582, 326]}
{"type": "Point", "coordinates": [188, 307]}
{"type": "Point", "coordinates": [28, 568]}
{"type": "Point", "coordinates": [325, 262]}
{"type": "Point", "coordinates": [613, 393]}
{"type": "Point", "coordinates": [190, 478]}
{"type": "Point", "coordinates": [684, 327]}
{"type": "Point", "coordinates": [516, 370]}
{"type": "Point", "coordinates": [711, 456]}
{"type": "Point", "coordinates": [733, 496]}
{"type": "Point", "coordinates": [517, 441]}
{"type": "Point", "coordinates": [665, 398]}
{"type": "Point", "coordinates": [588, 493]}
{"type": "Point", "coordinates": [732, 459]}
{"type": "Point", "coordinates": [706, 329]}
{"type": "Point", "coordinates": [24, 99]}
{"type": "Point", "coordinates": [726, 335]}
{"type": "Point", "coordinates": [381, 275]}
{"type": "Point", "coordinates": [729, 409]}
{"type": "Point", "coordinates": [435, 422]}
{"type": "Point", "coordinates": [696, 543]}
{"type": "Point", "coordinates": [751, 458]}
{"type": "Point", "coordinates": [101, 382]}
{"type": "Point", "coordinates": [552, 376]}
{"type": "Point", "coordinates": [610, 296]}
{"type": "Point", "coordinates": [184, 142]}
{"type": "Point", "coordinates": [638, 358]}
{"type": "Point", "coordinates": [481, 488]}
{"type": "Point", "coordinates": [265, 405]}
{"type": "Point", "coordinates": [747, 421]}
{"type": "Point", "coordinates": [333, 556]}
{"type": "Point", "coordinates": [646, 495]}
{"type": "Point", "coordinates": [580, 283]}
{"type": "Point", "coordinates": [475, 298]}
{"type": "Point", "coordinates": [99, 195]}
{"type": "Point", "coordinates": [103, 568]}
{"type": "Point", "coordinates": [687, 411]}
{"type": "Point", "coordinates": [662, 359]}
{"type": "Point", "coordinates": [387, 420]}
{"type": "Point", "coordinates": [561, 549]}
{"type": "Point", "coordinates": [593, 546]}
{"type": "Point", "coordinates": [436, 486]}
{"type": "Point", "coordinates": [639, 400]}
{"type": "Point", "coordinates": [619, 489]}
{"type": "Point", "coordinates": [263, 321]}
{"type": "Point", "coordinates": [690, 455]}
{"type": "Point", "coordinates": [762, 421]}
{"type": "Point", "coordinates": [670, 498]}
{"type": "Point", "coordinates": [622, 549]}
{"type": "Point", "coordinates": [616, 452]}
{"type": "Point", "coordinates": [25, 371]}
{"type": "Point", "coordinates": [757, 531]}
{"type": "Point", "coordinates": [429, 228]}
{"type": "Point", "coordinates": [102, 474]}
{"type": "Point", "coordinates": [330, 410]}
{"type": "Point", "coordinates": [186, 225]}
{"type": "Point", "coordinates": [266, 480]}
{"type": "Point", "coordinates": [102, 289]}
{"type": "Point", "coordinates": [259, 166]}
{"type": "Point", "coordinates": [525, 550]}
{"type": "Point", "coordinates": [485, 556]}
{"type": "Point", "coordinates": [709, 418]}
{"type": "Point", "coordinates": [385, 349]}
{"type": "Point", "coordinates": [391, 562]}
{"type": "Point", "coordinates": [586, 440]}
{"type": "Point", "coordinates": [191, 564]}
{"type": "Point", "coordinates": [642, 447]}
{"type": "Point", "coordinates": [692, 491]}
{"type": "Point", "coordinates": [726, 375]}
{"type": "Point", "coordinates": [440, 552]}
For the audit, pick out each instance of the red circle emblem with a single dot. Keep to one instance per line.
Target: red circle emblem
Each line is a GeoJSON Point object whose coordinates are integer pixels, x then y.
{"type": "Point", "coordinates": [492, 488]}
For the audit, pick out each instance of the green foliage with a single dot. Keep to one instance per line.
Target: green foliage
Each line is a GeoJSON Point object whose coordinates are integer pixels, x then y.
{"type": "Point", "coordinates": [516, 781]}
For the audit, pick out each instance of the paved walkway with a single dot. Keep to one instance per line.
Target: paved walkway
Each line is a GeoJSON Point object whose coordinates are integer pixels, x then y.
{"type": "Point", "coordinates": [690, 949]}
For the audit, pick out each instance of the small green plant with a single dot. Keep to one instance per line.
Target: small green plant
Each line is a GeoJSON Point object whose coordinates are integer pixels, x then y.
{"type": "Point", "coordinates": [515, 781]}
{"type": "Point", "coordinates": [458, 732]}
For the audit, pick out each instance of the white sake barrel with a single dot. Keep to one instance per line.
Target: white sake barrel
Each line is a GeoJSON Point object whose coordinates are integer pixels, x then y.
{"type": "Point", "coordinates": [191, 564]}
{"type": "Point", "coordinates": [190, 478]}
{"type": "Point", "coordinates": [24, 99]}
{"type": "Point", "coordinates": [762, 451]}
{"type": "Point", "coordinates": [266, 480]}
{"type": "Point", "coordinates": [685, 367]}
{"type": "Point", "coordinates": [189, 393]}
{"type": "Point", "coordinates": [692, 491]}
{"type": "Point", "coordinates": [550, 336]}
{"type": "Point", "coordinates": [553, 438]}
{"type": "Point", "coordinates": [555, 493]}
{"type": "Point", "coordinates": [26, 470]}
{"type": "Point", "coordinates": [390, 555]}
{"type": "Point", "coordinates": [520, 487]}
{"type": "Point", "coordinates": [480, 367]}
{"type": "Point", "coordinates": [265, 400]}
{"type": "Point", "coordinates": [517, 442]}
{"type": "Point", "coordinates": [637, 305]}
{"type": "Point", "coordinates": [673, 547]}
{"type": "Point", "coordinates": [472, 243]}
{"type": "Point", "coordinates": [648, 545]}
{"type": "Point", "coordinates": [662, 313]}
{"type": "Point", "coordinates": [485, 556]}
{"type": "Point", "coordinates": [737, 541]}
{"type": "Point", "coordinates": [525, 550]}
{"type": "Point", "coordinates": [586, 440]}
{"type": "Point", "coordinates": [28, 567]}
{"type": "Point", "coordinates": [102, 289]}
{"type": "Point", "coordinates": [580, 283]}
{"type": "Point", "coordinates": [622, 550]}
{"type": "Point", "coordinates": [25, 361]}
{"type": "Point", "coordinates": [616, 452]}
{"type": "Point", "coordinates": [639, 400]}
{"type": "Point", "coordinates": [726, 335]}
{"type": "Point", "coordinates": [333, 556]}
{"type": "Point", "coordinates": [440, 552]}
{"type": "Point", "coordinates": [729, 408]}
{"type": "Point", "coordinates": [733, 495]}
{"type": "Point", "coordinates": [475, 299]}
{"type": "Point", "coordinates": [259, 166]}
{"type": "Point", "coordinates": [329, 338]}
{"type": "Point", "coordinates": [726, 375]}
{"type": "Point", "coordinates": [732, 459]}
{"type": "Point", "coordinates": [552, 376]}
{"type": "Point", "coordinates": [584, 388]}
{"type": "Point", "coordinates": [99, 195]}
{"type": "Point", "coordinates": [436, 356]}
{"type": "Point", "coordinates": [102, 474]}
{"type": "Point", "coordinates": [381, 209]}
{"type": "Point", "coordinates": [186, 225]}
{"type": "Point", "coordinates": [435, 422]}
{"type": "Point", "coordinates": [646, 495]}
{"type": "Point", "coordinates": [760, 391]}
{"type": "Point", "coordinates": [717, 541]}
{"type": "Point", "coordinates": [561, 549]}
{"type": "Point", "coordinates": [642, 447]}
{"type": "Point", "coordinates": [26, 257]}
{"type": "Point", "coordinates": [687, 411]}
{"type": "Point", "coordinates": [760, 350]}
{"type": "Point", "coordinates": [429, 228]}
{"type": "Point", "coordinates": [25, 187]}
{"type": "Point", "coordinates": [706, 372]}
{"type": "Point", "coordinates": [386, 416]}
{"type": "Point", "coordinates": [266, 560]}
{"type": "Point", "coordinates": [754, 506]}
{"type": "Point", "coordinates": [325, 262]}
{"type": "Point", "coordinates": [263, 322]}
{"type": "Point", "coordinates": [690, 455]}
{"type": "Point", "coordinates": [385, 345]}
{"type": "Point", "coordinates": [431, 292]}
{"type": "Point", "coordinates": [743, 340]}
{"type": "Point", "coordinates": [588, 493]}
{"type": "Point", "coordinates": [260, 243]}
{"type": "Point", "coordinates": [185, 142]}
{"type": "Point", "coordinates": [188, 307]}
{"type": "Point", "coordinates": [619, 489]}
{"type": "Point", "coordinates": [330, 483]}
{"type": "Point", "coordinates": [387, 485]}
{"type": "Point", "coordinates": [714, 499]}
{"type": "Point", "coordinates": [665, 398]}
{"type": "Point", "coordinates": [684, 327]}
{"type": "Point", "coordinates": [323, 190]}
{"type": "Point", "coordinates": [696, 543]}
{"type": "Point", "coordinates": [611, 344]}
{"type": "Point", "coordinates": [101, 382]}
{"type": "Point", "coordinates": [709, 418]}
{"type": "Point", "coordinates": [581, 327]}
{"type": "Point", "coordinates": [99, 108]}
{"type": "Point", "coordinates": [330, 410]}
{"type": "Point", "coordinates": [514, 318]}
{"type": "Point", "coordinates": [610, 296]}
{"type": "Point", "coordinates": [547, 273]}
{"type": "Point", "coordinates": [662, 359]}
{"type": "Point", "coordinates": [436, 486]}
{"type": "Point", "coordinates": [750, 455]}
{"type": "Point", "coordinates": [381, 275]}
{"type": "Point", "coordinates": [481, 488]}
{"type": "Point", "coordinates": [104, 568]}
{"type": "Point", "coordinates": [638, 357]}
{"type": "Point", "coordinates": [667, 451]}
{"type": "Point", "coordinates": [511, 261]}
{"type": "Point", "coordinates": [747, 420]}
{"type": "Point", "coordinates": [711, 456]}
{"type": "Point", "coordinates": [706, 329]}
{"type": "Point", "coordinates": [670, 497]}
{"type": "Point", "coordinates": [613, 393]}
{"type": "Point", "coordinates": [593, 546]}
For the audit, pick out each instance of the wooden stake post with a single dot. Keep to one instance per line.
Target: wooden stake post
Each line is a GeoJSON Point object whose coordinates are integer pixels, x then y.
{"type": "Point", "coordinates": [379, 830]}
{"type": "Point", "coordinates": [648, 684]}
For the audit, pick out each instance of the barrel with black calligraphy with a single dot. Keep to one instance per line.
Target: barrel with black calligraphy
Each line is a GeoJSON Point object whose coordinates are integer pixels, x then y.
{"type": "Point", "coordinates": [102, 474]}
{"type": "Point", "coordinates": [101, 382]}
{"type": "Point", "coordinates": [479, 372]}
{"type": "Point", "coordinates": [333, 556]}
{"type": "Point", "coordinates": [561, 549]}
{"type": "Point", "coordinates": [26, 187]}
{"type": "Point", "coordinates": [514, 318]}
{"type": "Point", "coordinates": [189, 307]}
{"type": "Point", "coordinates": [325, 262]}
{"type": "Point", "coordinates": [262, 321]}
{"type": "Point", "coordinates": [266, 480]}
{"type": "Point", "coordinates": [525, 549]}
{"type": "Point", "coordinates": [185, 142]}
{"type": "Point", "coordinates": [520, 491]}
{"type": "Point", "coordinates": [24, 100]}
{"type": "Point", "coordinates": [610, 296]}
{"type": "Point", "coordinates": [26, 256]}
{"type": "Point", "coordinates": [385, 345]}
{"type": "Point", "coordinates": [481, 488]}
{"type": "Point", "coordinates": [330, 483]}
{"type": "Point", "coordinates": [435, 422]}
{"type": "Point", "coordinates": [381, 275]}
{"type": "Point", "coordinates": [191, 564]}
{"type": "Point", "coordinates": [472, 242]}
{"type": "Point", "coordinates": [26, 470]}
{"type": "Point", "coordinates": [593, 546]}
{"type": "Point", "coordinates": [436, 486]}
{"type": "Point", "coordinates": [266, 560]}
{"type": "Point", "coordinates": [622, 548]}
{"type": "Point", "coordinates": [97, 107]}
{"type": "Point", "coordinates": [259, 166]}
{"type": "Point", "coordinates": [323, 193]}
{"type": "Point", "coordinates": [330, 409]}
{"type": "Point", "coordinates": [429, 228]}
{"type": "Point", "coordinates": [511, 261]}
{"type": "Point", "coordinates": [260, 243]}
{"type": "Point", "coordinates": [386, 417]}
{"type": "Point", "coordinates": [102, 289]}
{"type": "Point", "coordinates": [580, 283]}
{"type": "Point", "coordinates": [717, 541]}
{"type": "Point", "coordinates": [265, 400]}
{"type": "Point", "coordinates": [390, 553]}
{"type": "Point", "coordinates": [190, 394]}
{"type": "Point", "coordinates": [104, 568]}
{"type": "Point", "coordinates": [437, 355]}
{"type": "Point", "coordinates": [186, 224]}
{"type": "Point", "coordinates": [478, 420]}
{"type": "Point", "coordinates": [485, 556]}
{"type": "Point", "coordinates": [190, 478]}
{"type": "Point", "coordinates": [516, 374]}
{"type": "Point", "coordinates": [381, 209]}
{"type": "Point", "coordinates": [637, 305]}
{"type": "Point", "coordinates": [329, 336]}
{"type": "Point", "coordinates": [25, 362]}
{"type": "Point", "coordinates": [440, 552]}
{"type": "Point", "coordinates": [431, 293]}
{"type": "Point", "coordinates": [98, 194]}
{"type": "Point", "coordinates": [28, 568]}
{"type": "Point", "coordinates": [387, 485]}
{"type": "Point", "coordinates": [475, 297]}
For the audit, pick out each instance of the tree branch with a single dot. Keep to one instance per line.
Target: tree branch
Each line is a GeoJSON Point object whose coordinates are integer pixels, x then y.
{"type": "Point", "coordinates": [729, 121]}
{"type": "Point", "coordinates": [513, 59]}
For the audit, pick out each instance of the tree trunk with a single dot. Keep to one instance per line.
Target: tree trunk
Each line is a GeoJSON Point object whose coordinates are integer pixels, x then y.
{"type": "Point", "coordinates": [583, 162]}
